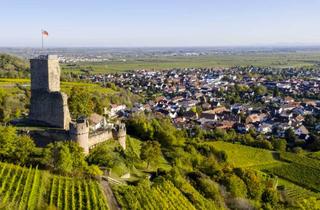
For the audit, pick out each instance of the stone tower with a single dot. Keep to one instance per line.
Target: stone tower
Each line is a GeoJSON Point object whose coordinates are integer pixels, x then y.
{"type": "Point", "coordinates": [79, 132]}
{"type": "Point", "coordinates": [48, 105]}
{"type": "Point", "coordinates": [119, 133]}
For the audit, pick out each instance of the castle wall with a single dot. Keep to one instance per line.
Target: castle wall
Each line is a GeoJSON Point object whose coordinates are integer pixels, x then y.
{"type": "Point", "coordinates": [99, 138]}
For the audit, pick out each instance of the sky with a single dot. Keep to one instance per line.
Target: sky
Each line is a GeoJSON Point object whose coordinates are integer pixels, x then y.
{"type": "Point", "coordinates": [159, 23]}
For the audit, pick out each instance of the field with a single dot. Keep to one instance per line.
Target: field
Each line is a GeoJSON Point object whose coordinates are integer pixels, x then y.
{"type": "Point", "coordinates": [158, 196]}
{"type": "Point", "coordinates": [298, 174]}
{"type": "Point", "coordinates": [28, 188]}
{"type": "Point", "coordinates": [298, 59]}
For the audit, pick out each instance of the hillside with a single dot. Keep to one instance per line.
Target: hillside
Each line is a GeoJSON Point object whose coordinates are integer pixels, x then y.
{"type": "Point", "coordinates": [30, 188]}
{"type": "Point", "coordinates": [298, 174]}
{"type": "Point", "coordinates": [12, 66]}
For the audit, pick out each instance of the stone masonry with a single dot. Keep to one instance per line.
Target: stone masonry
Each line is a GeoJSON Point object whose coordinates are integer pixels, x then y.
{"type": "Point", "coordinates": [48, 106]}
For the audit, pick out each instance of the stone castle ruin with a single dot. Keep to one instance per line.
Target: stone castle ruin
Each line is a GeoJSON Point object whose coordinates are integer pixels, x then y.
{"type": "Point", "coordinates": [49, 107]}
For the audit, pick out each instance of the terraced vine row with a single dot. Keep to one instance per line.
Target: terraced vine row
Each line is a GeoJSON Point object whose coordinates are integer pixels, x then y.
{"type": "Point", "coordinates": [160, 196]}
{"type": "Point", "coordinates": [302, 175]}
{"type": "Point", "coordinates": [30, 188]}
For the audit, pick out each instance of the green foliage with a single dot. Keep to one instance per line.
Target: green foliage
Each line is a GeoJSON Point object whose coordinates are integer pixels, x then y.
{"type": "Point", "coordinates": [150, 152]}
{"type": "Point", "coordinates": [160, 129]}
{"type": "Point", "coordinates": [253, 181]}
{"type": "Point", "coordinates": [64, 158]}
{"type": "Point", "coordinates": [236, 186]}
{"type": "Point", "coordinates": [94, 171]}
{"type": "Point", "coordinates": [210, 190]}
{"type": "Point", "coordinates": [290, 135]}
{"type": "Point", "coordinates": [13, 67]}
{"type": "Point", "coordinates": [280, 145]}
{"type": "Point", "coordinates": [12, 104]}
{"type": "Point", "coordinates": [106, 154]}
{"type": "Point", "coordinates": [260, 90]}
{"type": "Point", "coordinates": [15, 148]}
{"type": "Point", "coordinates": [80, 102]}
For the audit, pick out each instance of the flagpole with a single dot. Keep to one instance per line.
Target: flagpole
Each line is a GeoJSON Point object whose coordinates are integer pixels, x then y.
{"type": "Point", "coordinates": [42, 39]}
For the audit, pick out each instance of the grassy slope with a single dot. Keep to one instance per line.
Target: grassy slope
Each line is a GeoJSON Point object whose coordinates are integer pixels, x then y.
{"type": "Point", "coordinates": [244, 156]}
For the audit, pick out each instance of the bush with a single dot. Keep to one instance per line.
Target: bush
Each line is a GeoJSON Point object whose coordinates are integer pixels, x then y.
{"type": "Point", "coordinates": [236, 186]}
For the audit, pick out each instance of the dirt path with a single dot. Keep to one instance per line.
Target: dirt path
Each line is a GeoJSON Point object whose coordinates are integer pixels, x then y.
{"type": "Point", "coordinates": [112, 202]}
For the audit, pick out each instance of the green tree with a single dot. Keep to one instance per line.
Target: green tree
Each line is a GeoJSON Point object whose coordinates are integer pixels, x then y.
{"type": "Point", "coordinates": [104, 155]}
{"type": "Point", "coordinates": [24, 147]}
{"type": "Point", "coordinates": [290, 135]}
{"type": "Point", "coordinates": [94, 171]}
{"type": "Point", "coordinates": [280, 145]}
{"type": "Point", "coordinates": [276, 92]}
{"type": "Point", "coordinates": [236, 186]}
{"type": "Point", "coordinates": [64, 158]}
{"type": "Point", "coordinates": [260, 90]}
{"type": "Point", "coordinates": [80, 102]}
{"type": "Point", "coordinates": [252, 180]}
{"type": "Point", "coordinates": [150, 152]}
{"type": "Point", "coordinates": [7, 138]}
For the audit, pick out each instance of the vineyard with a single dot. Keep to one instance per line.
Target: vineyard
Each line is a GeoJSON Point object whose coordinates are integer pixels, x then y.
{"type": "Point", "coordinates": [28, 188]}
{"type": "Point", "coordinates": [302, 160]}
{"type": "Point", "coordinates": [305, 176]}
{"type": "Point", "coordinates": [297, 193]}
{"type": "Point", "coordinates": [158, 196]}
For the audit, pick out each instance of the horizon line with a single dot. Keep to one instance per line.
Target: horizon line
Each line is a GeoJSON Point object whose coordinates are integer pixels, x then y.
{"type": "Point", "coordinates": [179, 46]}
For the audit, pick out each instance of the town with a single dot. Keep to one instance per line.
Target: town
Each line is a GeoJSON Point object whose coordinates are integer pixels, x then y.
{"type": "Point", "coordinates": [267, 100]}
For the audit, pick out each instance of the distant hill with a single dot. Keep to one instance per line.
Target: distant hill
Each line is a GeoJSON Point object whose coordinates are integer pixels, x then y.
{"type": "Point", "coordinates": [13, 67]}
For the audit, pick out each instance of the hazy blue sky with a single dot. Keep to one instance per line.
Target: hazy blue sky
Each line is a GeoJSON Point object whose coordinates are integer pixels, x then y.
{"type": "Point", "coordinates": [110, 23]}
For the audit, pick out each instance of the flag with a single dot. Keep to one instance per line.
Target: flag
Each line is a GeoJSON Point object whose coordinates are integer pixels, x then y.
{"type": "Point", "coordinates": [45, 33]}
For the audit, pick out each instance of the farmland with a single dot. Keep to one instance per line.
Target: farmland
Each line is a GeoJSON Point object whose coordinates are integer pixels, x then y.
{"type": "Point", "coordinates": [276, 60]}
{"type": "Point", "coordinates": [30, 188]}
